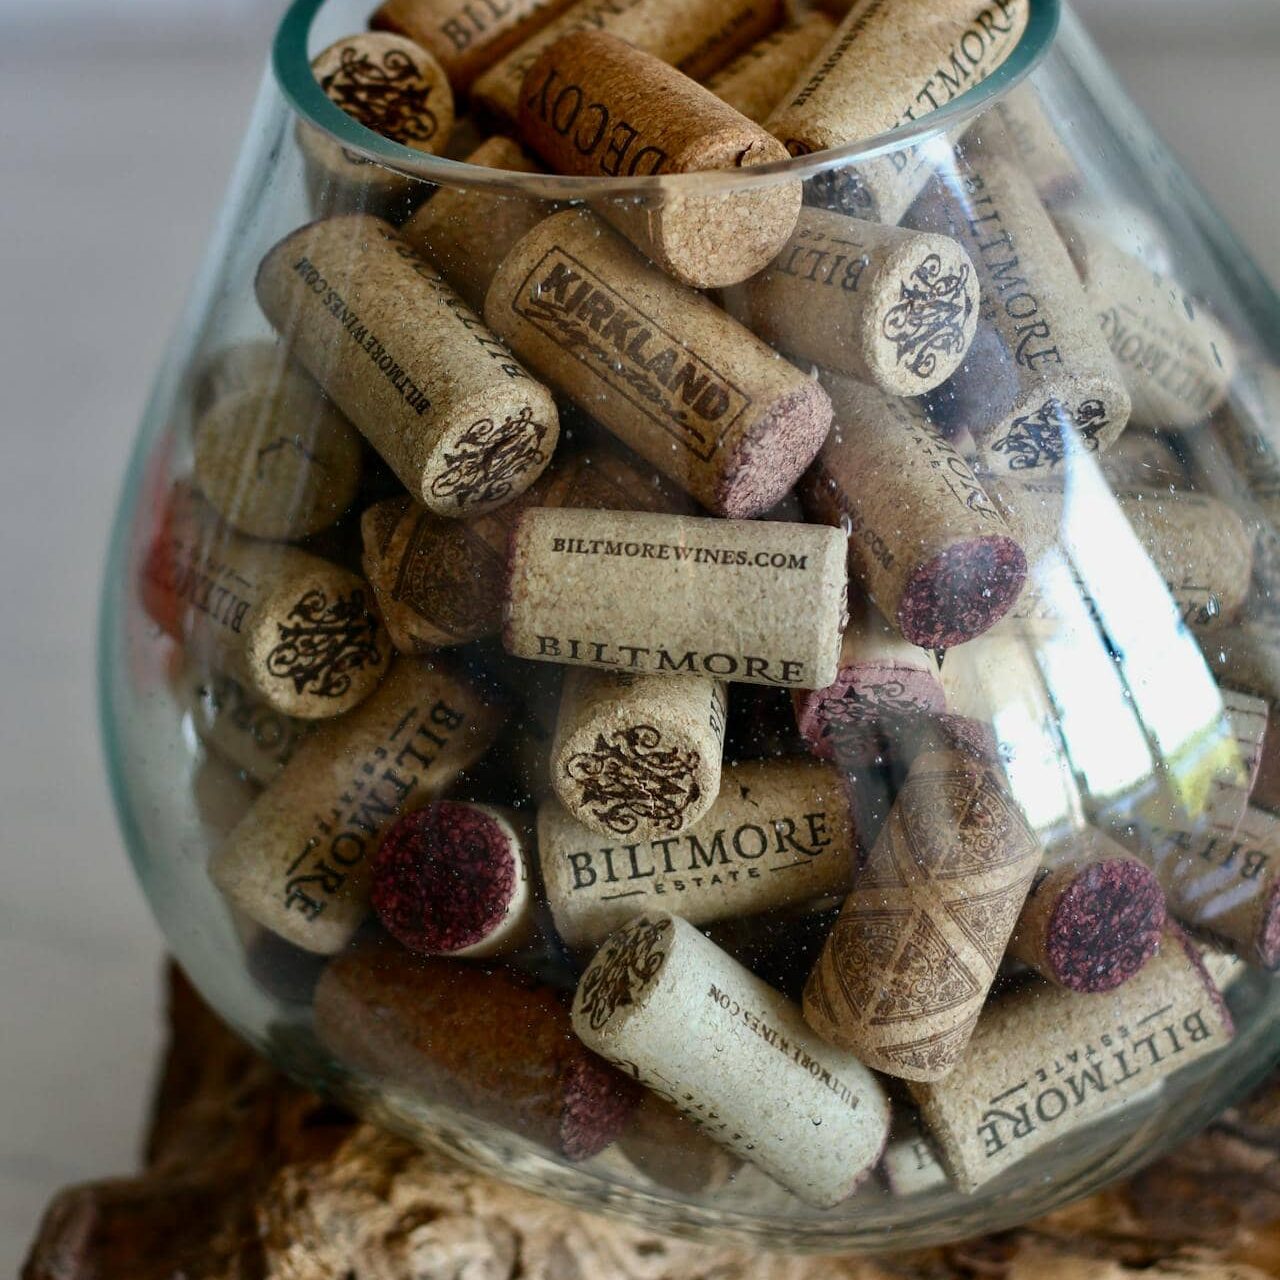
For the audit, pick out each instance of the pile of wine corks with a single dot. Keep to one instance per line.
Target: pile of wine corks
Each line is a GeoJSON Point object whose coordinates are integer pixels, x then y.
{"type": "Point", "coordinates": [648, 625]}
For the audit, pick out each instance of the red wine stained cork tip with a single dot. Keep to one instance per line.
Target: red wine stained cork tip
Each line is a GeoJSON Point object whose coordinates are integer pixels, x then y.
{"type": "Point", "coordinates": [962, 592]}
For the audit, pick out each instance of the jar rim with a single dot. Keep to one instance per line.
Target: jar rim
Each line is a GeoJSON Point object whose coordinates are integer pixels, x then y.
{"type": "Point", "coordinates": [291, 64]}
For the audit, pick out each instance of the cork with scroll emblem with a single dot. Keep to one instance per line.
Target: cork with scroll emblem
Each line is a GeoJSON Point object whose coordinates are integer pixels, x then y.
{"type": "Point", "coordinates": [596, 107]}
{"type": "Point", "coordinates": [755, 81]}
{"type": "Point", "coordinates": [1039, 379]}
{"type": "Point", "coordinates": [668, 1007]}
{"type": "Point", "coordinates": [439, 582]}
{"type": "Point", "coordinates": [638, 756]}
{"type": "Point", "coordinates": [299, 632]}
{"type": "Point", "coordinates": [908, 965]}
{"type": "Point", "coordinates": [451, 411]}
{"type": "Point", "coordinates": [675, 378]}
{"type": "Point", "coordinates": [892, 307]}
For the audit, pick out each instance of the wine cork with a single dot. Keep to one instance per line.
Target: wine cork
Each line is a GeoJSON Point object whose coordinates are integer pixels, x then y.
{"type": "Point", "coordinates": [1221, 881]}
{"type": "Point", "coordinates": [466, 231]}
{"type": "Point", "coordinates": [222, 795]}
{"type": "Point", "coordinates": [452, 879]}
{"type": "Point", "coordinates": [453, 414]}
{"type": "Point", "coordinates": [296, 630]}
{"type": "Point", "coordinates": [594, 106]}
{"type": "Point", "coordinates": [1245, 429]}
{"type": "Point", "coordinates": [888, 306]}
{"type": "Point", "coordinates": [695, 36]}
{"type": "Point", "coordinates": [1020, 128]}
{"type": "Point", "coordinates": [698, 1029]}
{"type": "Point", "coordinates": [1143, 459]}
{"type": "Point", "coordinates": [1247, 718]}
{"type": "Point", "coordinates": [925, 542]}
{"type": "Point", "coordinates": [882, 679]}
{"type": "Point", "coordinates": [1246, 658]}
{"type": "Point", "coordinates": [911, 1168]}
{"type": "Point", "coordinates": [1093, 918]}
{"type": "Point", "coordinates": [889, 64]}
{"type": "Point", "coordinates": [906, 969]}
{"type": "Point", "coordinates": [693, 392]}
{"type": "Point", "coordinates": [241, 366]}
{"type": "Point", "coordinates": [237, 725]}
{"type": "Point", "coordinates": [734, 600]}
{"type": "Point", "coordinates": [756, 80]}
{"type": "Point", "coordinates": [780, 832]}
{"type": "Point", "coordinates": [277, 460]}
{"type": "Point", "coordinates": [1176, 359]}
{"type": "Point", "coordinates": [1045, 1062]}
{"type": "Point", "coordinates": [299, 861]}
{"type": "Point", "coordinates": [674, 1153]}
{"type": "Point", "coordinates": [492, 1044]}
{"type": "Point", "coordinates": [1039, 378]}
{"type": "Point", "coordinates": [464, 36]}
{"type": "Point", "coordinates": [393, 87]}
{"type": "Point", "coordinates": [638, 756]}
{"type": "Point", "coordinates": [440, 582]}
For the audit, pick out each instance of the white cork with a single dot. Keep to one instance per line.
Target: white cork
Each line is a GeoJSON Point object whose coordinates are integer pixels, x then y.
{"type": "Point", "coordinates": [780, 833]}
{"type": "Point", "coordinates": [669, 1007]}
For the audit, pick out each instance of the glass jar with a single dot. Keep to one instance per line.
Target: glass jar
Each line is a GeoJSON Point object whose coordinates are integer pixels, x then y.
{"type": "Point", "coordinates": [335, 634]}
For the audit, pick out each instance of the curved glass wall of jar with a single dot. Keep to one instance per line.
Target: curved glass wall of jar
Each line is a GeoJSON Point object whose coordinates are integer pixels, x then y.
{"type": "Point", "coordinates": [491, 510]}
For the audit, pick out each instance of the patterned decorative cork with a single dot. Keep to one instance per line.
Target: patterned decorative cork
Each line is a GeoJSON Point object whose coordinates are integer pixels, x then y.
{"type": "Point", "coordinates": [489, 1043]}
{"type": "Point", "coordinates": [594, 106]}
{"type": "Point", "coordinates": [1177, 360]}
{"type": "Point", "coordinates": [638, 756]}
{"type": "Point", "coordinates": [693, 392]}
{"type": "Point", "coordinates": [780, 832]}
{"type": "Point", "coordinates": [735, 600]}
{"type": "Point", "coordinates": [393, 87]}
{"type": "Point", "coordinates": [298, 631]}
{"type": "Point", "coordinates": [466, 37]}
{"type": "Point", "coordinates": [1018, 126]}
{"type": "Point", "coordinates": [1044, 1063]}
{"type": "Point", "coordinates": [440, 582]}
{"type": "Point", "coordinates": [1039, 378]}
{"type": "Point", "coordinates": [1224, 882]}
{"type": "Point", "coordinates": [891, 62]}
{"type": "Point", "coordinates": [882, 680]}
{"type": "Point", "coordinates": [298, 863]}
{"type": "Point", "coordinates": [888, 306]}
{"type": "Point", "coordinates": [925, 542]}
{"type": "Point", "coordinates": [1093, 918]}
{"type": "Point", "coordinates": [756, 81]}
{"type": "Point", "coordinates": [695, 36]}
{"type": "Point", "coordinates": [455, 416]}
{"type": "Point", "coordinates": [277, 460]}
{"type": "Point", "coordinates": [466, 231]}
{"type": "Point", "coordinates": [669, 1150]}
{"type": "Point", "coordinates": [688, 1021]}
{"type": "Point", "coordinates": [908, 965]}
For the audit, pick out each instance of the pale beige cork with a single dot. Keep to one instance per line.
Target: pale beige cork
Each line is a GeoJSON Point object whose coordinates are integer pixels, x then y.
{"type": "Point", "coordinates": [439, 582]}
{"type": "Point", "coordinates": [300, 632]}
{"type": "Point", "coordinates": [924, 541]}
{"type": "Point", "coordinates": [910, 1167]}
{"type": "Point", "coordinates": [756, 80]}
{"type": "Point", "coordinates": [451, 411]}
{"type": "Point", "coordinates": [670, 1008]}
{"type": "Point", "coordinates": [393, 87]}
{"type": "Point", "coordinates": [676, 379]}
{"type": "Point", "coordinates": [736, 600]}
{"type": "Point", "coordinates": [886, 65]}
{"type": "Point", "coordinates": [594, 106]}
{"type": "Point", "coordinates": [1044, 1063]}
{"type": "Point", "coordinates": [298, 863]}
{"type": "Point", "coordinates": [465, 37]}
{"type": "Point", "coordinates": [891, 307]}
{"type": "Point", "coordinates": [1245, 427]}
{"type": "Point", "coordinates": [467, 231]}
{"type": "Point", "coordinates": [638, 756]}
{"type": "Point", "coordinates": [673, 1152]}
{"type": "Point", "coordinates": [237, 724]}
{"type": "Point", "coordinates": [695, 36]}
{"type": "Point", "coordinates": [1177, 359]}
{"type": "Point", "coordinates": [780, 833]}
{"type": "Point", "coordinates": [277, 460]}
{"type": "Point", "coordinates": [240, 366]}
{"type": "Point", "coordinates": [907, 967]}
{"type": "Point", "coordinates": [1247, 717]}
{"type": "Point", "coordinates": [1019, 127]}
{"type": "Point", "coordinates": [1039, 378]}
{"type": "Point", "coordinates": [1143, 459]}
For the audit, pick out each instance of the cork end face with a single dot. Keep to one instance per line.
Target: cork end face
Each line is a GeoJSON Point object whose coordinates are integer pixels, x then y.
{"type": "Point", "coordinates": [1105, 927]}
{"type": "Point", "coordinates": [962, 592]}
{"type": "Point", "coordinates": [771, 458]}
{"type": "Point", "coordinates": [1174, 936]}
{"type": "Point", "coordinates": [598, 1102]}
{"type": "Point", "coordinates": [621, 975]}
{"type": "Point", "coordinates": [444, 878]}
{"type": "Point", "coordinates": [1269, 933]}
{"type": "Point", "coordinates": [842, 721]}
